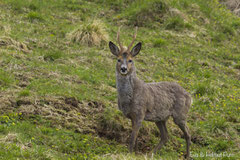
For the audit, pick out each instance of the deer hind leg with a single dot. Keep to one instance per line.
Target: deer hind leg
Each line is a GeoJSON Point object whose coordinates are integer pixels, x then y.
{"type": "Point", "coordinates": [164, 135]}
{"type": "Point", "coordinates": [183, 126]}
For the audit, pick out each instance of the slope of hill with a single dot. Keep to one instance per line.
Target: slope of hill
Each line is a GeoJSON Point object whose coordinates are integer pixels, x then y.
{"type": "Point", "coordinates": [57, 76]}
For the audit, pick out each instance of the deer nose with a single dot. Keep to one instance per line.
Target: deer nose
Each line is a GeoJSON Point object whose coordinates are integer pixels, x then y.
{"type": "Point", "coordinates": [123, 69]}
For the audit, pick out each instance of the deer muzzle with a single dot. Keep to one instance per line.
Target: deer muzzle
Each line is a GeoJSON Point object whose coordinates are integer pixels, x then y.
{"type": "Point", "coordinates": [123, 69]}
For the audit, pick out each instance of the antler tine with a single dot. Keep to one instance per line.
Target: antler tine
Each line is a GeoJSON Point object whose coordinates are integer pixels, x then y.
{"type": "Point", "coordinates": [134, 37]}
{"type": "Point", "coordinates": [118, 39]}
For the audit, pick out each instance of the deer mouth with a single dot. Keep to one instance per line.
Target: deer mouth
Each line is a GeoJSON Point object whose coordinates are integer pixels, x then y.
{"type": "Point", "coordinates": [124, 72]}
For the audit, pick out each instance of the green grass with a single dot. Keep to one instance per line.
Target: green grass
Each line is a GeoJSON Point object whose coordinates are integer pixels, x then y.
{"type": "Point", "coordinates": [59, 100]}
{"type": "Point", "coordinates": [6, 79]}
{"type": "Point", "coordinates": [24, 93]}
{"type": "Point", "coordinates": [28, 140]}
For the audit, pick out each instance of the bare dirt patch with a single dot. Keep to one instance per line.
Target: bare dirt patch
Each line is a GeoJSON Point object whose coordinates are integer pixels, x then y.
{"type": "Point", "coordinates": [81, 116]}
{"type": "Point", "coordinates": [60, 111]}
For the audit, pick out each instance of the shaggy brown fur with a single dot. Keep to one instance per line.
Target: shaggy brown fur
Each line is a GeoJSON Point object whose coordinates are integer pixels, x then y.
{"type": "Point", "coordinates": [154, 102]}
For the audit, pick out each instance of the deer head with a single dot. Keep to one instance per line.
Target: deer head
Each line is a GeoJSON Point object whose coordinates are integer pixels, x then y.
{"type": "Point", "coordinates": [125, 55]}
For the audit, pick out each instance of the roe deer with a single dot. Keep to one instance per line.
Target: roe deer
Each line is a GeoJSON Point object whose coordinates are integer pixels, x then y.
{"type": "Point", "coordinates": [154, 102]}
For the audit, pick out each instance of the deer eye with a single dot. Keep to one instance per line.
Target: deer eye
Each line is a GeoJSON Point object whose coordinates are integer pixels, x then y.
{"type": "Point", "coordinates": [119, 60]}
{"type": "Point", "coordinates": [130, 61]}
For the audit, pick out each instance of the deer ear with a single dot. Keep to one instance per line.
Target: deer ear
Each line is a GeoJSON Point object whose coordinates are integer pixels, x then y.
{"type": "Point", "coordinates": [136, 49]}
{"type": "Point", "coordinates": [113, 48]}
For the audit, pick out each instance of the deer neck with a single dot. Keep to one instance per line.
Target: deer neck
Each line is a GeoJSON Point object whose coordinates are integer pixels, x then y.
{"type": "Point", "coordinates": [125, 86]}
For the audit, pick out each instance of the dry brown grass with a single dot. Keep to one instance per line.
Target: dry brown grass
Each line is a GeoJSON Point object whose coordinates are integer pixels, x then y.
{"type": "Point", "coordinates": [90, 34]}
{"type": "Point", "coordinates": [9, 138]}
{"type": "Point", "coordinates": [129, 156]}
{"type": "Point", "coordinates": [9, 42]}
{"type": "Point", "coordinates": [5, 29]}
{"type": "Point", "coordinates": [175, 12]}
{"type": "Point", "coordinates": [233, 5]}
{"type": "Point", "coordinates": [14, 138]}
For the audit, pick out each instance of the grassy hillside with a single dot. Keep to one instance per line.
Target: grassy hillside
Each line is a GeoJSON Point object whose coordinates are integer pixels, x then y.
{"type": "Point", "coordinates": [57, 76]}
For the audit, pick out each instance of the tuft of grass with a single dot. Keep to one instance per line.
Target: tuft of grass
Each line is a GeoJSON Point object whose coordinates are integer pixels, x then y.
{"type": "Point", "coordinates": [17, 6]}
{"type": "Point", "coordinates": [9, 42]}
{"type": "Point", "coordinates": [32, 16]}
{"type": "Point", "coordinates": [6, 79]}
{"type": "Point", "coordinates": [222, 145]}
{"type": "Point", "coordinates": [229, 30]}
{"type": "Point", "coordinates": [219, 124]}
{"type": "Point", "coordinates": [204, 88]}
{"type": "Point", "coordinates": [33, 6]}
{"type": "Point", "coordinates": [24, 93]}
{"type": "Point", "coordinates": [233, 5]}
{"type": "Point", "coordinates": [177, 23]}
{"type": "Point", "coordinates": [145, 13]}
{"type": "Point", "coordinates": [52, 55]}
{"type": "Point", "coordinates": [218, 37]}
{"type": "Point", "coordinates": [90, 34]}
{"type": "Point", "coordinates": [237, 66]}
{"type": "Point", "coordinates": [159, 42]}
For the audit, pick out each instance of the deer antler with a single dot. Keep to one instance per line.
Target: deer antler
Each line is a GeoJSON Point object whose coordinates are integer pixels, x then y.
{"type": "Point", "coordinates": [118, 39]}
{"type": "Point", "coordinates": [134, 37]}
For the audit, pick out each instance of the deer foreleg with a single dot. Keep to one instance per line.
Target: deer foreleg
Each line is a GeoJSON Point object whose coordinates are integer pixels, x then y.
{"type": "Point", "coordinates": [135, 129]}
